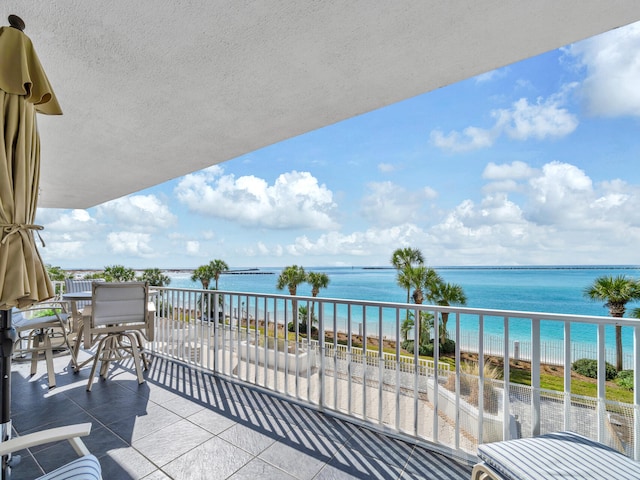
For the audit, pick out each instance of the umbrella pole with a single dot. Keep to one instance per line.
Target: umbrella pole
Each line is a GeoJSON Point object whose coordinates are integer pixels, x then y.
{"type": "Point", "coordinates": [7, 339]}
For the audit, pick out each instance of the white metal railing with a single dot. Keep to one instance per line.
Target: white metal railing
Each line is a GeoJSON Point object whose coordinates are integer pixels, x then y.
{"type": "Point", "coordinates": [361, 372]}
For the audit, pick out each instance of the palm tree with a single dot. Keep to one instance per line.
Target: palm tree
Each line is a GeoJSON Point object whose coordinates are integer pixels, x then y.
{"type": "Point", "coordinates": [204, 274]}
{"type": "Point", "coordinates": [119, 273]}
{"type": "Point", "coordinates": [218, 267]}
{"type": "Point", "coordinates": [407, 325]}
{"type": "Point", "coordinates": [403, 258]}
{"type": "Point", "coordinates": [445, 294]}
{"type": "Point", "coordinates": [291, 277]}
{"type": "Point", "coordinates": [155, 277]}
{"type": "Point", "coordinates": [616, 292]}
{"type": "Point", "coordinates": [426, 322]}
{"type": "Point", "coordinates": [57, 274]}
{"type": "Point", "coordinates": [317, 281]}
{"type": "Point", "coordinates": [420, 278]}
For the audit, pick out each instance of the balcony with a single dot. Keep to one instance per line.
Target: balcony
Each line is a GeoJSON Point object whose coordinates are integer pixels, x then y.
{"type": "Point", "coordinates": [347, 403]}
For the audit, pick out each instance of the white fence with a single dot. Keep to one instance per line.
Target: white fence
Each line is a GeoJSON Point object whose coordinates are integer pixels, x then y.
{"type": "Point", "coordinates": [551, 352]}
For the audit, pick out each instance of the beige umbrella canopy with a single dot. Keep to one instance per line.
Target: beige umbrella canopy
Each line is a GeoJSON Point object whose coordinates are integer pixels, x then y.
{"type": "Point", "coordinates": [24, 90]}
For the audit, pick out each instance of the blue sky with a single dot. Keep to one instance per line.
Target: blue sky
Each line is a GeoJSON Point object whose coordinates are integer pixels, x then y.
{"type": "Point", "coordinates": [535, 163]}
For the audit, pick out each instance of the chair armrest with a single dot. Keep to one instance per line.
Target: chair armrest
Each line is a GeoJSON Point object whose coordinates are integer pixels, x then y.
{"type": "Point", "coordinates": [47, 305]}
{"type": "Point", "coordinates": [151, 321]}
{"type": "Point", "coordinates": [481, 471]}
{"type": "Point", "coordinates": [72, 433]}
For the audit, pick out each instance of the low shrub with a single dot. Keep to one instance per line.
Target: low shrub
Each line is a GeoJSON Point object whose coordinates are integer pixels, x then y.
{"type": "Point", "coordinates": [427, 350]}
{"type": "Point", "coordinates": [470, 387]}
{"type": "Point", "coordinates": [589, 368]}
{"type": "Point", "coordinates": [407, 345]}
{"type": "Point", "coordinates": [624, 379]}
{"type": "Point", "coordinates": [302, 328]}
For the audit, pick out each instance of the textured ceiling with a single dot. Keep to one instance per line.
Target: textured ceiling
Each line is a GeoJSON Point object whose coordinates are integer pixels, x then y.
{"type": "Point", "coordinates": [154, 89]}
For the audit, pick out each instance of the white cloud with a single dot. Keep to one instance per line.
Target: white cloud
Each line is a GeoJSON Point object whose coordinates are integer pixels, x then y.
{"type": "Point", "coordinates": [429, 193]}
{"type": "Point", "coordinates": [522, 121]}
{"type": "Point", "coordinates": [138, 213]}
{"type": "Point", "coordinates": [541, 120]}
{"type": "Point", "coordinates": [471, 138]}
{"type": "Point", "coordinates": [514, 170]}
{"type": "Point", "coordinates": [63, 250]}
{"type": "Point", "coordinates": [130, 243]}
{"type": "Point", "coordinates": [261, 249]}
{"type": "Point", "coordinates": [561, 217]}
{"type": "Point", "coordinates": [612, 64]}
{"type": "Point", "coordinates": [374, 241]}
{"type": "Point", "coordinates": [295, 200]}
{"type": "Point", "coordinates": [501, 186]}
{"type": "Point", "coordinates": [389, 204]}
{"type": "Point", "coordinates": [562, 193]}
{"type": "Point", "coordinates": [492, 75]}
{"type": "Point", "coordinates": [56, 220]}
{"type": "Point", "coordinates": [66, 233]}
{"type": "Point", "coordinates": [386, 167]}
{"type": "Point", "coordinates": [193, 247]}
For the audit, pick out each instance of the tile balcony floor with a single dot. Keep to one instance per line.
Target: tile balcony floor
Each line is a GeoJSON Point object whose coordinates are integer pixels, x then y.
{"type": "Point", "coordinates": [183, 423]}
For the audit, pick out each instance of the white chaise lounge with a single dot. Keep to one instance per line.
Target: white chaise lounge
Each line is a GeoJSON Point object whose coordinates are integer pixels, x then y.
{"type": "Point", "coordinates": [554, 456]}
{"type": "Point", "coordinates": [85, 467]}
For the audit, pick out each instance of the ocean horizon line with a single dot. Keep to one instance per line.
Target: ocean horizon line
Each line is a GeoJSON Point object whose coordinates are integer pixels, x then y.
{"type": "Point", "coordinates": [389, 267]}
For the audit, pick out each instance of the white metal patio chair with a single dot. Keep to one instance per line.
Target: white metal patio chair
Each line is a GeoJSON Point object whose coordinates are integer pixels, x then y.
{"type": "Point", "coordinates": [119, 324]}
{"type": "Point", "coordinates": [42, 331]}
{"type": "Point", "coordinates": [72, 285]}
{"type": "Point", "coordinates": [553, 456]}
{"type": "Point", "coordinates": [86, 467]}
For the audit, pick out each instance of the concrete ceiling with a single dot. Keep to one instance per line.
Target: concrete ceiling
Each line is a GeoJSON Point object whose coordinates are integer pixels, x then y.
{"type": "Point", "coordinates": [154, 89]}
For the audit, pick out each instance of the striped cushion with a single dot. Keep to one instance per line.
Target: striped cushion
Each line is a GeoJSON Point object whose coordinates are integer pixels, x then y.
{"type": "Point", "coordinates": [83, 468]}
{"type": "Point", "coordinates": [563, 455]}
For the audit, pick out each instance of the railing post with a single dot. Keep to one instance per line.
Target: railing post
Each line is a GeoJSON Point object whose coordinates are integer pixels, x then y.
{"type": "Point", "coordinates": [506, 385]}
{"type": "Point", "coordinates": [349, 358]}
{"type": "Point", "coordinates": [397, 363]}
{"type": "Point", "coordinates": [636, 392]}
{"type": "Point", "coordinates": [480, 378]}
{"type": "Point", "coordinates": [601, 382]}
{"type": "Point", "coordinates": [535, 377]}
{"type": "Point", "coordinates": [436, 360]}
{"type": "Point", "coordinates": [416, 363]}
{"type": "Point", "coordinates": [381, 365]}
{"type": "Point", "coordinates": [457, 379]}
{"type": "Point", "coordinates": [364, 363]}
{"type": "Point", "coordinates": [567, 375]}
{"type": "Point", "coordinates": [335, 356]}
{"type": "Point", "coordinates": [216, 329]}
{"type": "Point", "coordinates": [322, 350]}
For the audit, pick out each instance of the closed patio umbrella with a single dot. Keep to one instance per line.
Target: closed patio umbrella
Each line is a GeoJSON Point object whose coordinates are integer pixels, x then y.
{"type": "Point", "coordinates": [24, 90]}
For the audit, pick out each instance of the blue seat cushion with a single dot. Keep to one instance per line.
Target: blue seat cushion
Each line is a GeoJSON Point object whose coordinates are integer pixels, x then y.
{"type": "Point", "coordinates": [83, 468]}
{"type": "Point", "coordinates": [562, 455]}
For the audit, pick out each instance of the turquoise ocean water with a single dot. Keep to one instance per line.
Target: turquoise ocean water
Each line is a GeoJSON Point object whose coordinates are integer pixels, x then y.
{"type": "Point", "coordinates": [532, 289]}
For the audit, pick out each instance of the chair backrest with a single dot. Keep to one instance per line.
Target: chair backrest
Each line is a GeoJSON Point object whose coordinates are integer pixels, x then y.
{"type": "Point", "coordinates": [71, 285]}
{"type": "Point", "coordinates": [119, 304]}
